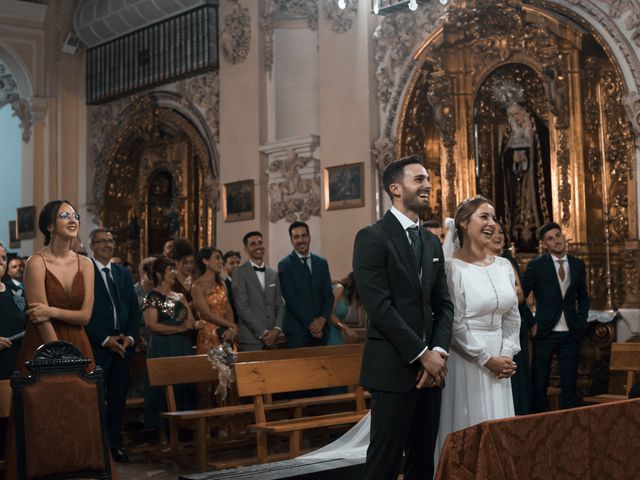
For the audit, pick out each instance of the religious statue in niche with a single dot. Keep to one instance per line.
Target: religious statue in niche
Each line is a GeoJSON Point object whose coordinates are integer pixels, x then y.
{"type": "Point", "coordinates": [523, 186]}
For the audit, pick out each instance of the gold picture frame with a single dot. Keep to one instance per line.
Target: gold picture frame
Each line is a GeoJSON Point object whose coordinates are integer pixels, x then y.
{"type": "Point", "coordinates": [238, 201]}
{"type": "Point", "coordinates": [344, 186]}
{"type": "Point", "coordinates": [26, 223]}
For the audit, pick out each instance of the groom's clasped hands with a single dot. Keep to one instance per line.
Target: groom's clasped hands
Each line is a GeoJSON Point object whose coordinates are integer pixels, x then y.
{"type": "Point", "coordinates": [433, 369]}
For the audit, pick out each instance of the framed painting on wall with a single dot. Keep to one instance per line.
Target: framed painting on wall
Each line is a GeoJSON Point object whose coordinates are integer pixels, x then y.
{"type": "Point", "coordinates": [26, 223]}
{"type": "Point", "coordinates": [238, 201]}
{"type": "Point", "coordinates": [13, 237]}
{"type": "Point", "coordinates": [344, 186]}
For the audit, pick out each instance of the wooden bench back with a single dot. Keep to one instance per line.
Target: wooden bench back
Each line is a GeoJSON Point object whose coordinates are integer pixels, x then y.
{"type": "Point", "coordinates": [5, 398]}
{"type": "Point", "coordinates": [297, 374]}
{"type": "Point", "coordinates": [197, 368]}
{"type": "Point", "coordinates": [626, 357]}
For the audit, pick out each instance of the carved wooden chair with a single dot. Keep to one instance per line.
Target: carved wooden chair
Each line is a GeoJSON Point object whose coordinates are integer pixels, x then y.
{"type": "Point", "coordinates": [59, 417]}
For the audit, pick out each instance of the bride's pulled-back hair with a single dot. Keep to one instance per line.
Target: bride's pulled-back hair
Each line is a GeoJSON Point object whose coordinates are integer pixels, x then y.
{"type": "Point", "coordinates": [464, 211]}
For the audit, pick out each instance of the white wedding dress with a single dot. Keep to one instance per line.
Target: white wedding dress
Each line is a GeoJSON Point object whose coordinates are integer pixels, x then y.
{"type": "Point", "coordinates": [486, 323]}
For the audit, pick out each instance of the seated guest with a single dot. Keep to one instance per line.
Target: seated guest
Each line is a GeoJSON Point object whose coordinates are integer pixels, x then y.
{"type": "Point", "coordinates": [169, 319]}
{"type": "Point", "coordinates": [256, 291]}
{"type": "Point", "coordinates": [12, 320]}
{"type": "Point", "coordinates": [435, 227]}
{"type": "Point", "coordinates": [231, 262]}
{"type": "Point", "coordinates": [182, 253]}
{"type": "Point", "coordinates": [345, 303]}
{"type": "Point", "coordinates": [306, 289]}
{"type": "Point", "coordinates": [211, 303]}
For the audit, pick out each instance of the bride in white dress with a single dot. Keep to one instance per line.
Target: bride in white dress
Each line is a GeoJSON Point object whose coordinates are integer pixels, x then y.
{"type": "Point", "coordinates": [486, 323]}
{"type": "Point", "coordinates": [485, 338]}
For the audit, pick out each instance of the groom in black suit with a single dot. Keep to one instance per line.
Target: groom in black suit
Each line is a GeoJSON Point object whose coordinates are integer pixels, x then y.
{"type": "Point", "coordinates": [562, 307]}
{"type": "Point", "coordinates": [399, 272]}
{"type": "Point", "coordinates": [114, 326]}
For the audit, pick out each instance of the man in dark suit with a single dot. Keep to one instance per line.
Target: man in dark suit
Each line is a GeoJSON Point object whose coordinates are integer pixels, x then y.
{"type": "Point", "coordinates": [557, 281]}
{"type": "Point", "coordinates": [231, 261]}
{"type": "Point", "coordinates": [399, 271]}
{"type": "Point", "coordinates": [256, 290]}
{"type": "Point", "coordinates": [114, 326]}
{"type": "Point", "coordinates": [306, 288]}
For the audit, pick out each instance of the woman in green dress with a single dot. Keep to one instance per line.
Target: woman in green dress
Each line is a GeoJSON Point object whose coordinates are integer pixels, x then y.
{"type": "Point", "coordinates": [169, 320]}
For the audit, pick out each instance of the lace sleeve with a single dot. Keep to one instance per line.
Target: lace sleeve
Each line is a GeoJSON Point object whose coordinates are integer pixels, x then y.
{"type": "Point", "coordinates": [462, 340]}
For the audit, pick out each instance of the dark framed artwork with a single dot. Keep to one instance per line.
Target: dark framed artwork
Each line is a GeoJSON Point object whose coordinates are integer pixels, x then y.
{"type": "Point", "coordinates": [238, 201]}
{"type": "Point", "coordinates": [26, 223]}
{"type": "Point", "coordinates": [344, 186]}
{"type": "Point", "coordinates": [13, 237]}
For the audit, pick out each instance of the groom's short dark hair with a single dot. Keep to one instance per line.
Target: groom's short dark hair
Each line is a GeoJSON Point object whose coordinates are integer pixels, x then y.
{"type": "Point", "coordinates": [547, 227]}
{"type": "Point", "coordinates": [395, 170]}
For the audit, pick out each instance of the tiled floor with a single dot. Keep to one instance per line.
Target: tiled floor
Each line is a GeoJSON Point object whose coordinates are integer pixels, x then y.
{"type": "Point", "coordinates": [141, 468]}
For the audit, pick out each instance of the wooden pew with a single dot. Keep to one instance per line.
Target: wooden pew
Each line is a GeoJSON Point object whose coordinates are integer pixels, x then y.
{"type": "Point", "coordinates": [170, 371]}
{"type": "Point", "coordinates": [260, 379]}
{"type": "Point", "coordinates": [625, 357]}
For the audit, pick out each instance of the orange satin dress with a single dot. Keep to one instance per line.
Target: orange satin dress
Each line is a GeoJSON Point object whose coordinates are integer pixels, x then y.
{"type": "Point", "coordinates": [75, 334]}
{"type": "Point", "coordinates": [208, 338]}
{"type": "Point", "coordinates": [218, 302]}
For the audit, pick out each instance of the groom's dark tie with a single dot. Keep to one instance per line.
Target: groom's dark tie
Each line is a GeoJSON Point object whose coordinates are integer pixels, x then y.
{"type": "Point", "coordinates": [416, 245]}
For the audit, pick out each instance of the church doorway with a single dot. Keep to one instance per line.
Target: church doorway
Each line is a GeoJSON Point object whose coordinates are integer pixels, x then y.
{"type": "Point", "coordinates": [159, 183]}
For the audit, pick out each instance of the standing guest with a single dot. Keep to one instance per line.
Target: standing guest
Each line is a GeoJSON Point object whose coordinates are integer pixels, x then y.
{"type": "Point", "coordinates": [59, 293]}
{"type": "Point", "coordinates": [306, 288]}
{"type": "Point", "coordinates": [399, 271]}
{"type": "Point", "coordinates": [256, 289]}
{"type": "Point", "coordinates": [142, 288]}
{"type": "Point", "coordinates": [182, 253]}
{"type": "Point", "coordinates": [231, 262]}
{"type": "Point", "coordinates": [12, 322]}
{"type": "Point", "coordinates": [113, 329]}
{"type": "Point", "coordinates": [557, 281]}
{"type": "Point", "coordinates": [521, 380]}
{"type": "Point", "coordinates": [15, 272]}
{"type": "Point", "coordinates": [211, 303]}
{"type": "Point", "coordinates": [114, 260]}
{"type": "Point", "coordinates": [346, 302]}
{"type": "Point", "coordinates": [166, 249]}
{"type": "Point", "coordinates": [168, 317]}
{"type": "Point", "coordinates": [128, 266]}
{"type": "Point", "coordinates": [435, 227]}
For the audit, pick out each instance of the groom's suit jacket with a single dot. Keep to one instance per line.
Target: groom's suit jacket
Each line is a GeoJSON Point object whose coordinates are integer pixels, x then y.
{"type": "Point", "coordinates": [405, 312]}
{"type": "Point", "coordinates": [541, 278]}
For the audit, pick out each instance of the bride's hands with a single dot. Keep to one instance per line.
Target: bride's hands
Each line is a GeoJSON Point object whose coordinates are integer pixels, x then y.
{"type": "Point", "coordinates": [501, 367]}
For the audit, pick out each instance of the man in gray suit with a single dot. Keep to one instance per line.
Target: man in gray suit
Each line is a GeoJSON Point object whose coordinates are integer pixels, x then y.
{"type": "Point", "coordinates": [258, 299]}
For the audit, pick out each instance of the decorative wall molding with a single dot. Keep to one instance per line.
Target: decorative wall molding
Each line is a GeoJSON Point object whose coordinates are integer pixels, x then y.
{"type": "Point", "coordinates": [21, 107]}
{"type": "Point", "coordinates": [235, 35]}
{"type": "Point", "coordinates": [285, 10]}
{"type": "Point", "coordinates": [631, 103]}
{"type": "Point", "coordinates": [340, 20]}
{"type": "Point", "coordinates": [294, 178]}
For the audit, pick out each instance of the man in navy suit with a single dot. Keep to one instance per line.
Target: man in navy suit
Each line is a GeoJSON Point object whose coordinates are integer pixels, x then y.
{"type": "Point", "coordinates": [114, 326]}
{"type": "Point", "coordinates": [306, 289]}
{"type": "Point", "coordinates": [562, 307]}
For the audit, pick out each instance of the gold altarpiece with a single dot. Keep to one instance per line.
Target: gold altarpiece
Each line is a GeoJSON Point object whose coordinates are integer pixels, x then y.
{"type": "Point", "coordinates": [159, 183]}
{"type": "Point", "coordinates": [585, 146]}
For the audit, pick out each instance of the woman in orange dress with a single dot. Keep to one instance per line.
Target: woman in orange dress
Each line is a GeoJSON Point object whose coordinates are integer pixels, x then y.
{"type": "Point", "coordinates": [59, 293]}
{"type": "Point", "coordinates": [211, 302]}
{"type": "Point", "coordinates": [213, 310]}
